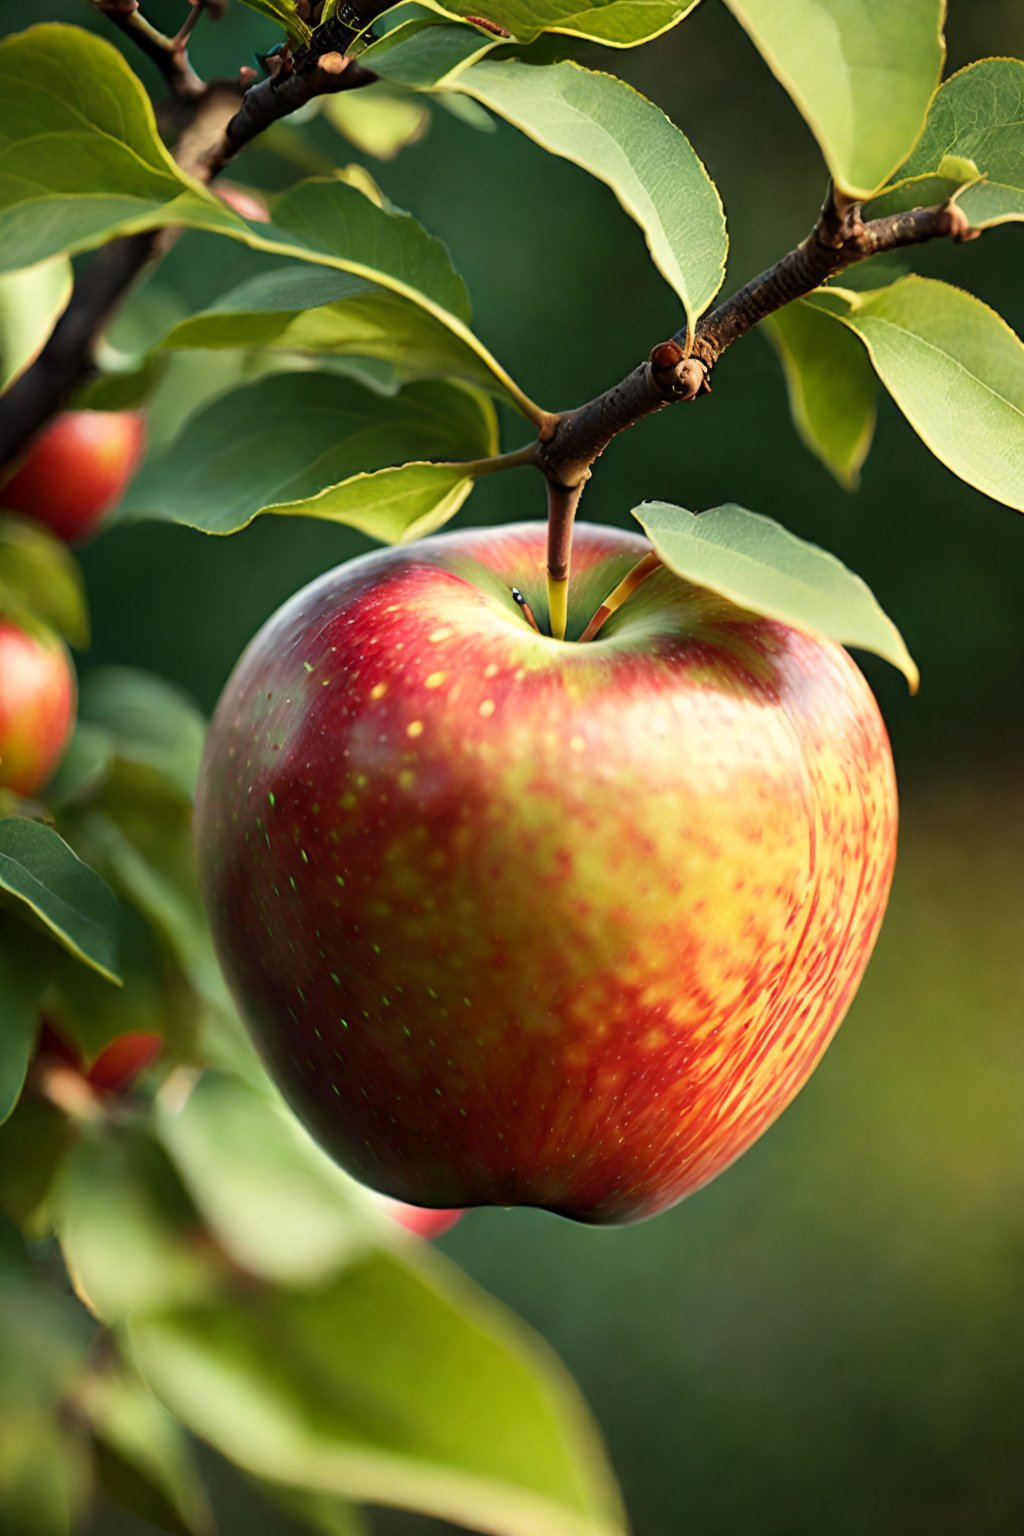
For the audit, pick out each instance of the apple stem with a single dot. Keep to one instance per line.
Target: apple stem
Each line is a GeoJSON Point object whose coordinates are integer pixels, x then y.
{"type": "Point", "coordinates": [527, 610]}
{"type": "Point", "coordinates": [625, 589]}
{"type": "Point", "coordinates": [562, 503]}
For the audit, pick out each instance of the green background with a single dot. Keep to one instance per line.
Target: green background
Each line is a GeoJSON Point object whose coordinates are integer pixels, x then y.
{"type": "Point", "coordinates": [827, 1340]}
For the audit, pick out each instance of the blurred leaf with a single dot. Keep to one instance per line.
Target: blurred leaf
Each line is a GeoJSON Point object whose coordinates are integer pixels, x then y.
{"type": "Point", "coordinates": [608, 128]}
{"type": "Point", "coordinates": [41, 873]}
{"type": "Point", "coordinates": [305, 444]}
{"type": "Point", "coordinates": [33, 1144]}
{"type": "Point", "coordinates": [301, 308]}
{"type": "Point", "coordinates": [974, 134]}
{"type": "Point", "coordinates": [43, 1477]}
{"type": "Point", "coordinates": [861, 72]}
{"type": "Point", "coordinates": [155, 999]}
{"type": "Point", "coordinates": [762, 567]}
{"type": "Point", "coordinates": [44, 1337]}
{"type": "Point", "coordinates": [40, 576]}
{"type": "Point", "coordinates": [956, 371]}
{"type": "Point", "coordinates": [279, 1206]}
{"type": "Point", "coordinates": [123, 384]}
{"type": "Point", "coordinates": [831, 387]}
{"type": "Point", "coordinates": [22, 983]}
{"type": "Point", "coordinates": [616, 23]}
{"type": "Point", "coordinates": [83, 159]}
{"type": "Point", "coordinates": [130, 1236]}
{"type": "Point", "coordinates": [144, 1459]}
{"type": "Point", "coordinates": [284, 13]}
{"type": "Point", "coordinates": [379, 122]}
{"type": "Point", "coordinates": [396, 1383]}
{"type": "Point", "coordinates": [148, 721]}
{"type": "Point", "coordinates": [467, 111]}
{"type": "Point", "coordinates": [83, 768]}
{"type": "Point", "coordinates": [425, 56]}
{"type": "Point", "coordinates": [31, 301]}
{"type": "Point", "coordinates": [325, 1513]}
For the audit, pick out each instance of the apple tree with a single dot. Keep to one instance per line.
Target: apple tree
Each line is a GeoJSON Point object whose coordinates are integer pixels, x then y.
{"type": "Point", "coordinates": [179, 1261]}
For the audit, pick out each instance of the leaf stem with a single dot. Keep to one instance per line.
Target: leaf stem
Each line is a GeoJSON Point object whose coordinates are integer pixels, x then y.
{"type": "Point", "coordinates": [517, 458]}
{"type": "Point", "coordinates": [618, 595]}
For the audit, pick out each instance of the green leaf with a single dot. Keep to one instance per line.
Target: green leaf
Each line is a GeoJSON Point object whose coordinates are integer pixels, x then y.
{"type": "Point", "coordinates": [616, 23]}
{"type": "Point", "coordinates": [148, 723]}
{"type": "Point", "coordinates": [80, 156]}
{"type": "Point", "coordinates": [86, 765]}
{"type": "Point", "coordinates": [307, 445]}
{"type": "Point", "coordinates": [394, 1382]}
{"type": "Point", "coordinates": [379, 122]}
{"type": "Point", "coordinates": [43, 876]}
{"type": "Point", "coordinates": [30, 303]}
{"type": "Point", "coordinates": [310, 309]}
{"type": "Point", "coordinates": [33, 1145]}
{"type": "Point", "coordinates": [324, 1513]}
{"type": "Point", "coordinates": [861, 72]}
{"type": "Point", "coordinates": [972, 147]}
{"type": "Point", "coordinates": [22, 983]}
{"type": "Point", "coordinates": [279, 1206]}
{"type": "Point", "coordinates": [956, 371]}
{"type": "Point", "coordinates": [130, 1236]}
{"type": "Point", "coordinates": [43, 1476]}
{"type": "Point", "coordinates": [40, 576]}
{"type": "Point", "coordinates": [618, 136]}
{"type": "Point", "coordinates": [144, 1459]}
{"type": "Point", "coordinates": [831, 387]}
{"type": "Point", "coordinates": [286, 16]}
{"type": "Point", "coordinates": [761, 566]}
{"type": "Point", "coordinates": [333, 224]}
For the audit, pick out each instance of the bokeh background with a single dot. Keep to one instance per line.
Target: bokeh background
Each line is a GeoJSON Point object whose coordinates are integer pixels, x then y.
{"type": "Point", "coordinates": [831, 1338]}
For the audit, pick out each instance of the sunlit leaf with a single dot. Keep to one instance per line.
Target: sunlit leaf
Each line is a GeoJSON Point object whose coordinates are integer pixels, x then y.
{"type": "Point", "coordinates": [972, 146]}
{"type": "Point", "coordinates": [862, 73]}
{"type": "Point", "coordinates": [312, 309]}
{"type": "Point", "coordinates": [30, 303]}
{"type": "Point", "coordinates": [616, 23]}
{"type": "Point", "coordinates": [311, 445]}
{"type": "Point", "coordinates": [379, 122]}
{"type": "Point", "coordinates": [831, 387]}
{"type": "Point", "coordinates": [284, 12]}
{"type": "Point", "coordinates": [393, 1382]}
{"type": "Point", "coordinates": [762, 567]}
{"type": "Point", "coordinates": [42, 876]}
{"type": "Point", "coordinates": [956, 371]}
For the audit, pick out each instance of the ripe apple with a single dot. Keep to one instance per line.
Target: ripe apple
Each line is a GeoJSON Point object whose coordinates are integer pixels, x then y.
{"type": "Point", "coordinates": [243, 200]}
{"type": "Point", "coordinates": [75, 470]}
{"type": "Point", "coordinates": [418, 1220]}
{"type": "Point", "coordinates": [116, 1067]}
{"type": "Point", "coordinates": [520, 921]}
{"type": "Point", "coordinates": [37, 706]}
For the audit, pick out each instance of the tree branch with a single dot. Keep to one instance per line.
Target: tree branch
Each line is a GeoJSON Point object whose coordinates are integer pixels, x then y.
{"type": "Point", "coordinates": [211, 123]}
{"type": "Point", "coordinates": [673, 373]}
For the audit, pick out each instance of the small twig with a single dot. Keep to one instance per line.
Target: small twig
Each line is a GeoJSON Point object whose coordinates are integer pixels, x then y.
{"type": "Point", "coordinates": [169, 54]}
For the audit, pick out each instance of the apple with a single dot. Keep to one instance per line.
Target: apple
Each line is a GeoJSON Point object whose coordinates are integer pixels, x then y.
{"type": "Point", "coordinates": [38, 699]}
{"type": "Point", "coordinates": [117, 1066]}
{"type": "Point", "coordinates": [522, 921]}
{"type": "Point", "coordinates": [418, 1220]}
{"type": "Point", "coordinates": [75, 470]}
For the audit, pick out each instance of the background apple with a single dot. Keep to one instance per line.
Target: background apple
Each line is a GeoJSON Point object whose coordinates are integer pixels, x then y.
{"type": "Point", "coordinates": [519, 921]}
{"type": "Point", "coordinates": [243, 200]}
{"type": "Point", "coordinates": [37, 705]}
{"type": "Point", "coordinates": [116, 1067]}
{"type": "Point", "coordinates": [76, 470]}
{"type": "Point", "coordinates": [419, 1220]}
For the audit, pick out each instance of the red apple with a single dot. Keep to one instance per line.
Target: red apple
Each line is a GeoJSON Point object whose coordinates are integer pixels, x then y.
{"type": "Point", "coordinates": [116, 1067]}
{"type": "Point", "coordinates": [37, 706]}
{"type": "Point", "coordinates": [75, 470]}
{"type": "Point", "coordinates": [531, 922]}
{"type": "Point", "coordinates": [419, 1220]}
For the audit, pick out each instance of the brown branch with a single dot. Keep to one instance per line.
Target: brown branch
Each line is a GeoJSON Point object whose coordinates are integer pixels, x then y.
{"type": "Point", "coordinates": [839, 239]}
{"type": "Point", "coordinates": [211, 125]}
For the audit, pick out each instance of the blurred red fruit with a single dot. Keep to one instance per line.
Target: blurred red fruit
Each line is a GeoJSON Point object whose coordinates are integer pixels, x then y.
{"type": "Point", "coordinates": [115, 1068]}
{"type": "Point", "coordinates": [243, 201]}
{"type": "Point", "coordinates": [76, 470]}
{"type": "Point", "coordinates": [37, 706]}
{"type": "Point", "coordinates": [420, 1221]}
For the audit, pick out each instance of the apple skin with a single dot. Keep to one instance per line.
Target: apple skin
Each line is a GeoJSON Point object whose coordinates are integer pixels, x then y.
{"type": "Point", "coordinates": [518, 921]}
{"type": "Point", "coordinates": [38, 700]}
{"type": "Point", "coordinates": [75, 470]}
{"type": "Point", "coordinates": [243, 201]}
{"type": "Point", "coordinates": [419, 1220]}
